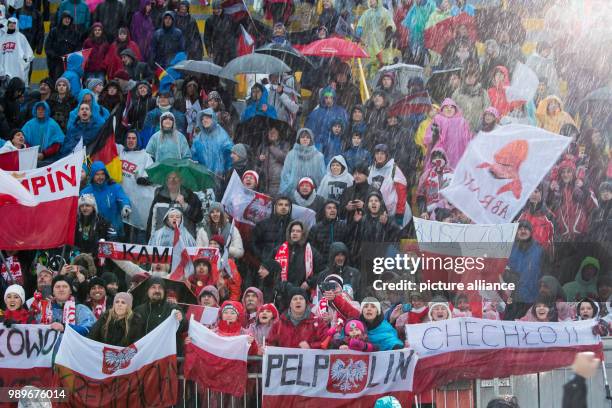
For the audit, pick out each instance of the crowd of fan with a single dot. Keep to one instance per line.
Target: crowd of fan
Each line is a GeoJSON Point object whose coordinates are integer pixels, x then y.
{"type": "Point", "coordinates": [360, 167]}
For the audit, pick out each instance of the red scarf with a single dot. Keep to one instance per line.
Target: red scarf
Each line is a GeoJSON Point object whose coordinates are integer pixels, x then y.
{"type": "Point", "coordinates": [69, 312]}
{"type": "Point", "coordinates": [98, 307]}
{"type": "Point", "coordinates": [20, 316]}
{"type": "Point", "coordinates": [282, 257]}
{"type": "Point", "coordinates": [43, 307]}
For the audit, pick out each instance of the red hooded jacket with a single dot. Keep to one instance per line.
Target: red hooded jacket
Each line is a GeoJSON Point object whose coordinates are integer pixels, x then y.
{"type": "Point", "coordinates": [284, 334]}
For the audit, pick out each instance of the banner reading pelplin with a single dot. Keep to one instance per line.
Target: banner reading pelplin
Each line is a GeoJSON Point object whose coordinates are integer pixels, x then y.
{"type": "Point", "coordinates": [500, 169]}
{"type": "Point", "coordinates": [143, 374]}
{"type": "Point", "coordinates": [469, 348]}
{"type": "Point", "coordinates": [26, 352]}
{"type": "Point", "coordinates": [51, 223]}
{"type": "Point", "coordinates": [335, 378]}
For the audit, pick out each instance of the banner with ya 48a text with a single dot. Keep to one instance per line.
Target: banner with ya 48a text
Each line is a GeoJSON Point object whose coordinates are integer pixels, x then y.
{"type": "Point", "coordinates": [500, 169]}
{"type": "Point", "coordinates": [335, 378]}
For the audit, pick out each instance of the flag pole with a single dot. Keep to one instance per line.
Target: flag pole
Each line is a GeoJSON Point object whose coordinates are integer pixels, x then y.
{"type": "Point", "coordinates": [363, 80]}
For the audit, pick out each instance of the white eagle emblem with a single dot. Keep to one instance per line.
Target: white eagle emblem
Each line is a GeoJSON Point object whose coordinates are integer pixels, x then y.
{"type": "Point", "coordinates": [346, 376]}
{"type": "Point", "coordinates": [114, 360]}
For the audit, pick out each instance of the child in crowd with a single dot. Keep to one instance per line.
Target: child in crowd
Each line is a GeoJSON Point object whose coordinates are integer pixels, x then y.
{"type": "Point", "coordinates": [462, 306]}
{"type": "Point", "coordinates": [267, 315]}
{"type": "Point", "coordinates": [355, 337]}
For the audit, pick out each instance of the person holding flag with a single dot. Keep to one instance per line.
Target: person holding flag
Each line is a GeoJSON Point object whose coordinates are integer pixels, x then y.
{"type": "Point", "coordinates": [164, 236]}
{"type": "Point", "coordinates": [230, 281]}
{"type": "Point", "coordinates": [43, 131]}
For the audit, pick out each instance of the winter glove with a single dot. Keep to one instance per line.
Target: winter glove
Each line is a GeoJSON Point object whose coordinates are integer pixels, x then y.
{"type": "Point", "coordinates": [399, 219]}
{"type": "Point", "coordinates": [357, 344]}
{"type": "Point", "coordinates": [601, 328]}
{"type": "Point", "coordinates": [331, 332]}
{"type": "Point", "coordinates": [126, 211]}
{"type": "Point", "coordinates": [143, 181]}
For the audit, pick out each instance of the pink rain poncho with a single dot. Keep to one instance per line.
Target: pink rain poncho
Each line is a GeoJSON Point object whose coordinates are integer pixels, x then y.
{"type": "Point", "coordinates": [454, 134]}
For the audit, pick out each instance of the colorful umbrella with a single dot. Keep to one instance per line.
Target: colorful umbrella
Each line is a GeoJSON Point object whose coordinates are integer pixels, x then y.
{"type": "Point", "coordinates": [194, 176]}
{"type": "Point", "coordinates": [439, 35]}
{"type": "Point", "coordinates": [419, 102]}
{"type": "Point", "coordinates": [333, 47]}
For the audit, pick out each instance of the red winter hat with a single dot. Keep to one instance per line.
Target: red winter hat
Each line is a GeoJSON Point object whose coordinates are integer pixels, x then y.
{"type": "Point", "coordinates": [122, 74]}
{"type": "Point", "coordinates": [307, 180]}
{"type": "Point", "coordinates": [251, 173]}
{"type": "Point", "coordinates": [218, 239]}
{"type": "Point", "coordinates": [270, 307]}
{"type": "Point", "coordinates": [567, 163]}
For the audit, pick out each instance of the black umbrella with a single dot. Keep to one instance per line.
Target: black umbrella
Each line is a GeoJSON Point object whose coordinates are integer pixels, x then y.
{"type": "Point", "coordinates": [179, 288]}
{"type": "Point", "coordinates": [201, 67]}
{"type": "Point", "coordinates": [287, 54]}
{"type": "Point", "coordinates": [254, 131]}
{"type": "Point", "coordinates": [596, 109]}
{"type": "Point", "coordinates": [438, 84]}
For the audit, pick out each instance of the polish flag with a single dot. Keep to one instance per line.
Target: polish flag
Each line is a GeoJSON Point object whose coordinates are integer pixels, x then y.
{"type": "Point", "coordinates": [215, 362]}
{"type": "Point", "coordinates": [49, 223]}
{"type": "Point", "coordinates": [13, 192]}
{"type": "Point", "coordinates": [143, 374]}
{"type": "Point", "coordinates": [19, 160]}
{"type": "Point", "coordinates": [182, 267]}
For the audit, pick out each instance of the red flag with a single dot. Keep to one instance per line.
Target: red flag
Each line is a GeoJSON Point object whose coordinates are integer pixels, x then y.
{"type": "Point", "coordinates": [83, 53]}
{"type": "Point", "coordinates": [56, 188]}
{"type": "Point", "coordinates": [182, 268]}
{"type": "Point", "coordinates": [215, 362]}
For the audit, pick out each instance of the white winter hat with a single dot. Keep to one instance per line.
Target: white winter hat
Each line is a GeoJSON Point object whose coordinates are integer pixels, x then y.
{"type": "Point", "coordinates": [17, 290]}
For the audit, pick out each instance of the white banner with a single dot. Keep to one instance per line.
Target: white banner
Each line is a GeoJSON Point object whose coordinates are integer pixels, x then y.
{"type": "Point", "coordinates": [250, 207]}
{"type": "Point", "coordinates": [336, 374]}
{"type": "Point", "coordinates": [468, 333]}
{"type": "Point", "coordinates": [24, 346]}
{"type": "Point", "coordinates": [500, 169]}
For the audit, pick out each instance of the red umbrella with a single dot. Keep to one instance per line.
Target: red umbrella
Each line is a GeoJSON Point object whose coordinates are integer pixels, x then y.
{"type": "Point", "coordinates": [439, 35]}
{"type": "Point", "coordinates": [333, 47]}
{"type": "Point", "coordinates": [419, 102]}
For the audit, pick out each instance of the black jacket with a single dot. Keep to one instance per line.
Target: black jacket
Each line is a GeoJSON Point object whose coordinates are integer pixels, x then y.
{"type": "Point", "coordinates": [166, 43]}
{"type": "Point", "coordinates": [575, 393]}
{"type": "Point", "coordinates": [193, 39]}
{"type": "Point", "coordinates": [325, 233]}
{"type": "Point", "coordinates": [62, 40]}
{"type": "Point", "coordinates": [350, 276]}
{"type": "Point", "coordinates": [150, 315]}
{"type": "Point", "coordinates": [140, 107]}
{"type": "Point", "coordinates": [111, 13]}
{"type": "Point", "coordinates": [220, 34]}
{"type": "Point", "coordinates": [86, 236]}
{"type": "Point", "coordinates": [354, 192]}
{"type": "Point", "coordinates": [60, 109]}
{"type": "Point", "coordinates": [116, 331]}
{"type": "Point", "coordinates": [270, 233]}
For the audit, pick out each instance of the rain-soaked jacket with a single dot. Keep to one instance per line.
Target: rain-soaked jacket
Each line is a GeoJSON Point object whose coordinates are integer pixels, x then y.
{"type": "Point", "coordinates": [320, 120]}
{"type": "Point", "coordinates": [110, 197]}
{"type": "Point", "coordinates": [332, 186]}
{"type": "Point", "coordinates": [302, 161]}
{"type": "Point", "coordinates": [45, 133]}
{"type": "Point", "coordinates": [172, 145]}
{"type": "Point", "coordinates": [16, 53]}
{"type": "Point", "coordinates": [454, 133]}
{"type": "Point", "coordinates": [212, 147]}
{"type": "Point", "coordinates": [255, 108]}
{"type": "Point", "coordinates": [166, 43]}
{"type": "Point", "coordinates": [74, 73]}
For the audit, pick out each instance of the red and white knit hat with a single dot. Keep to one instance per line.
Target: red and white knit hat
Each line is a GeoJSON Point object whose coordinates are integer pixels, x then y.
{"type": "Point", "coordinates": [307, 180]}
{"type": "Point", "coordinates": [252, 173]}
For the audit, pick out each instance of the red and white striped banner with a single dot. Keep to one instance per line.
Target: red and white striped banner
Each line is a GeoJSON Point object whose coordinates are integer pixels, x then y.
{"type": "Point", "coordinates": [336, 378]}
{"type": "Point", "coordinates": [19, 160]}
{"type": "Point", "coordinates": [215, 362]}
{"type": "Point", "coordinates": [463, 348]}
{"type": "Point", "coordinates": [143, 374]}
{"type": "Point", "coordinates": [26, 353]}
{"type": "Point", "coordinates": [51, 222]}
{"type": "Point", "coordinates": [150, 254]}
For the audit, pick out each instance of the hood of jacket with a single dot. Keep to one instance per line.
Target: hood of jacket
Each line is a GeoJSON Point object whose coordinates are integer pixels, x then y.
{"type": "Point", "coordinates": [378, 194]}
{"type": "Point", "coordinates": [556, 290]}
{"type": "Point", "coordinates": [304, 238]}
{"type": "Point", "coordinates": [75, 63]}
{"type": "Point", "coordinates": [96, 167]}
{"type": "Point", "coordinates": [16, 21]}
{"type": "Point", "coordinates": [167, 115]}
{"type": "Point", "coordinates": [450, 102]}
{"type": "Point", "coordinates": [143, 5]}
{"type": "Point", "coordinates": [209, 112]}
{"type": "Point", "coordinates": [171, 14]}
{"type": "Point", "coordinates": [504, 71]}
{"type": "Point", "coordinates": [47, 110]}
{"type": "Point", "coordinates": [587, 261]}
{"type": "Point", "coordinates": [297, 138]}
{"type": "Point", "coordinates": [14, 85]}
{"type": "Point", "coordinates": [340, 159]}
{"type": "Point", "coordinates": [327, 90]}
{"type": "Point", "coordinates": [337, 248]}
{"type": "Point", "coordinates": [256, 291]}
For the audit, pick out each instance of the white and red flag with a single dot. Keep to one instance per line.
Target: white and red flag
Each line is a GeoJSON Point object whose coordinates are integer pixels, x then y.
{"type": "Point", "coordinates": [56, 188]}
{"type": "Point", "coordinates": [250, 207]}
{"type": "Point", "coordinates": [463, 348]}
{"type": "Point", "coordinates": [27, 355]}
{"type": "Point", "coordinates": [19, 160]}
{"type": "Point", "coordinates": [182, 267]}
{"type": "Point", "coordinates": [13, 192]}
{"type": "Point", "coordinates": [216, 362]}
{"type": "Point", "coordinates": [143, 374]}
{"type": "Point", "coordinates": [500, 169]}
{"type": "Point", "coordinates": [336, 378]}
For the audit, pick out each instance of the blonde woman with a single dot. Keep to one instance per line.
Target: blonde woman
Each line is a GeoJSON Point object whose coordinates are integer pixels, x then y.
{"type": "Point", "coordinates": [116, 326]}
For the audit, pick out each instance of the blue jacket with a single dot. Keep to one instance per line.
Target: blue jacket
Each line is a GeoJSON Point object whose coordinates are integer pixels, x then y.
{"type": "Point", "coordinates": [354, 155]}
{"type": "Point", "coordinates": [321, 119]}
{"type": "Point", "coordinates": [100, 113]}
{"type": "Point", "coordinates": [168, 145]}
{"type": "Point", "coordinates": [384, 336]}
{"type": "Point", "coordinates": [84, 317]}
{"type": "Point", "coordinates": [166, 43]}
{"type": "Point", "coordinates": [328, 143]}
{"type": "Point", "coordinates": [212, 147]}
{"type": "Point", "coordinates": [254, 108]}
{"type": "Point", "coordinates": [528, 264]}
{"type": "Point", "coordinates": [74, 72]}
{"type": "Point", "coordinates": [43, 133]}
{"type": "Point", "coordinates": [77, 130]}
{"type": "Point", "coordinates": [110, 198]}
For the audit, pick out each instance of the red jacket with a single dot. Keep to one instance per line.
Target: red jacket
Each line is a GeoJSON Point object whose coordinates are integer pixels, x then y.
{"type": "Point", "coordinates": [284, 334]}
